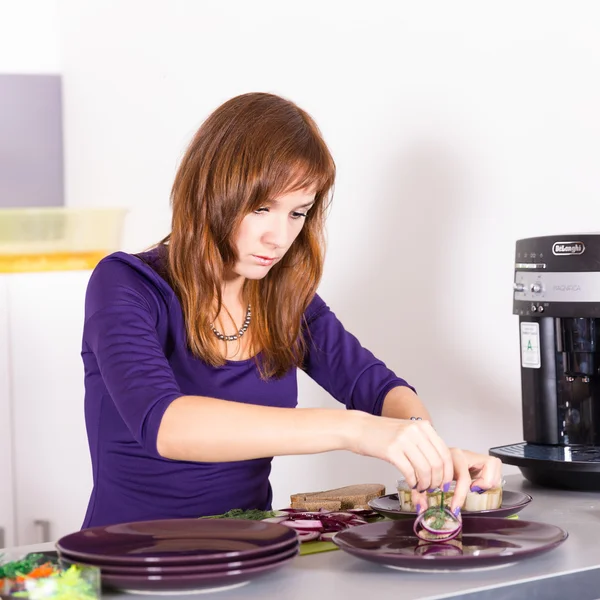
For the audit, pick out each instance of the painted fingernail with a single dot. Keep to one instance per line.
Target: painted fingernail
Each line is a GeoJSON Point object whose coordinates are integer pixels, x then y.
{"type": "Point", "coordinates": [457, 511]}
{"type": "Point", "coordinates": [415, 486]}
{"type": "Point", "coordinates": [418, 508]}
{"type": "Point", "coordinates": [431, 490]}
{"type": "Point", "coordinates": [446, 487]}
{"type": "Point", "coordinates": [421, 491]}
{"type": "Point", "coordinates": [477, 489]}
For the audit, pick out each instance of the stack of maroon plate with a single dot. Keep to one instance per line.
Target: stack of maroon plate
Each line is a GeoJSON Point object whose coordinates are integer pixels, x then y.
{"type": "Point", "coordinates": [181, 555]}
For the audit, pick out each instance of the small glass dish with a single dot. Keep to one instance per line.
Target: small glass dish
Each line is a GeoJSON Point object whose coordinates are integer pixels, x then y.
{"type": "Point", "coordinates": [38, 576]}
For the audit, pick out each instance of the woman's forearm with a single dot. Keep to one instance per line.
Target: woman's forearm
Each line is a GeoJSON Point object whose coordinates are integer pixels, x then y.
{"type": "Point", "coordinates": [198, 428]}
{"type": "Point", "coordinates": [201, 429]}
{"type": "Point", "coordinates": [402, 403]}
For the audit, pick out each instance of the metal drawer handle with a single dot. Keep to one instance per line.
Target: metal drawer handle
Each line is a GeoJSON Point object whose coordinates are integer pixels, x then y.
{"type": "Point", "coordinates": [44, 526]}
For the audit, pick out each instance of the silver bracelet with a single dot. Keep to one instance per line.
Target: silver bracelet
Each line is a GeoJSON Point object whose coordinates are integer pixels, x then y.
{"type": "Point", "coordinates": [416, 419]}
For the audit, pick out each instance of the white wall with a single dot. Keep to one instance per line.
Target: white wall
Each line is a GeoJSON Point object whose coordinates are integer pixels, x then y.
{"type": "Point", "coordinates": [457, 128]}
{"type": "Point", "coordinates": [29, 36]}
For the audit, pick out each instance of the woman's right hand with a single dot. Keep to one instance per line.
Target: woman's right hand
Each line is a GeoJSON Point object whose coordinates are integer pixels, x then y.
{"type": "Point", "coordinates": [413, 447]}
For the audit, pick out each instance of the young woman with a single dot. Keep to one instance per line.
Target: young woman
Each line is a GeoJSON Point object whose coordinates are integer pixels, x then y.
{"type": "Point", "coordinates": [191, 349]}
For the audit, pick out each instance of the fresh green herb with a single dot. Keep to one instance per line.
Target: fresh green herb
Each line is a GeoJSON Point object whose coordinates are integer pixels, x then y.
{"type": "Point", "coordinates": [19, 567]}
{"type": "Point", "coordinates": [439, 516]}
{"type": "Point", "coordinates": [238, 513]}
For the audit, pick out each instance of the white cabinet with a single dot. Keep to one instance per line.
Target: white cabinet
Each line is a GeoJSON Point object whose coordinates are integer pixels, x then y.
{"type": "Point", "coordinates": [7, 536]}
{"type": "Point", "coordinates": [50, 475]}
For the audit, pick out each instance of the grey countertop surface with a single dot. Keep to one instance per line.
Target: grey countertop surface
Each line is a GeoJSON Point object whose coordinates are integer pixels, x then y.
{"type": "Point", "coordinates": [571, 570]}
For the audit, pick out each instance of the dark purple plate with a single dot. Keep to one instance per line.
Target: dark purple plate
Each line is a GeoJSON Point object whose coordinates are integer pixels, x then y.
{"type": "Point", "coordinates": [485, 543]}
{"type": "Point", "coordinates": [189, 569]}
{"type": "Point", "coordinates": [186, 584]}
{"type": "Point", "coordinates": [512, 503]}
{"type": "Point", "coordinates": [177, 541]}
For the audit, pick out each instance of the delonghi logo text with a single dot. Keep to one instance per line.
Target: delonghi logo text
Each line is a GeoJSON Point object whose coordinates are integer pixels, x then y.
{"type": "Point", "coordinates": [568, 248]}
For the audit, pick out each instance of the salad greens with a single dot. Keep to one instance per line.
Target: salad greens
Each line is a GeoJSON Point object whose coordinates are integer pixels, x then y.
{"type": "Point", "coordinates": [19, 567]}
{"type": "Point", "coordinates": [37, 577]}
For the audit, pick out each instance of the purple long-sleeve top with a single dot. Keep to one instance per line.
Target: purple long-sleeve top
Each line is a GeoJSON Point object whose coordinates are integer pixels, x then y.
{"type": "Point", "coordinates": [137, 362]}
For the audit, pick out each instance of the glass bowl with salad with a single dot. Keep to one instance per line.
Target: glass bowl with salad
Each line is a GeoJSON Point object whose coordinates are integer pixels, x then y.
{"type": "Point", "coordinates": [39, 576]}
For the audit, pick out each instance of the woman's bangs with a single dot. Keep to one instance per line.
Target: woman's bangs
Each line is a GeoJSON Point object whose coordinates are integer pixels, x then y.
{"type": "Point", "coordinates": [317, 176]}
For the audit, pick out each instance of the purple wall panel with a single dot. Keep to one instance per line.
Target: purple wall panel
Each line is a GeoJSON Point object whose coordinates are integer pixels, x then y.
{"type": "Point", "coordinates": [31, 141]}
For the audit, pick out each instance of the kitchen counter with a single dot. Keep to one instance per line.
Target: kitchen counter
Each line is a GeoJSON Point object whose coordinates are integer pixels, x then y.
{"type": "Point", "coordinates": [570, 571]}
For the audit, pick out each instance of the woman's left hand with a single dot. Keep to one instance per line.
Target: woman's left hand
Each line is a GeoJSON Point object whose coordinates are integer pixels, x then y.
{"type": "Point", "coordinates": [473, 472]}
{"type": "Point", "coordinates": [485, 470]}
{"type": "Point", "coordinates": [479, 472]}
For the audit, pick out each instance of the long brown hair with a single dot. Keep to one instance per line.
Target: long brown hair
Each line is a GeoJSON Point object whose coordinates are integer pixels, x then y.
{"type": "Point", "coordinates": [250, 150]}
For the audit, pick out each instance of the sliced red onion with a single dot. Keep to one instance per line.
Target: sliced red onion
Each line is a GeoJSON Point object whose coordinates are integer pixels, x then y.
{"type": "Point", "coordinates": [309, 536]}
{"type": "Point", "coordinates": [305, 515]}
{"type": "Point", "coordinates": [362, 512]}
{"type": "Point", "coordinates": [342, 515]}
{"type": "Point", "coordinates": [322, 524]}
{"type": "Point", "coordinates": [275, 519]}
{"type": "Point", "coordinates": [442, 535]}
{"type": "Point", "coordinates": [431, 529]}
{"type": "Point", "coordinates": [308, 525]}
{"type": "Point", "coordinates": [331, 525]}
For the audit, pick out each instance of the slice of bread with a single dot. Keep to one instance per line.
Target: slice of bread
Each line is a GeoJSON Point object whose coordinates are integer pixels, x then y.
{"type": "Point", "coordinates": [350, 496]}
{"type": "Point", "coordinates": [316, 505]}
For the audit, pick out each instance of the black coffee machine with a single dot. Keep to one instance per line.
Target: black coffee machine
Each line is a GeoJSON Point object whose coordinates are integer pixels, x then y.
{"type": "Point", "coordinates": [557, 299]}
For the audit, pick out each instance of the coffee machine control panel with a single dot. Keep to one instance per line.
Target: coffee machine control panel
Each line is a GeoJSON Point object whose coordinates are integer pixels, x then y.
{"type": "Point", "coordinates": [536, 287]}
{"type": "Point", "coordinates": [557, 276]}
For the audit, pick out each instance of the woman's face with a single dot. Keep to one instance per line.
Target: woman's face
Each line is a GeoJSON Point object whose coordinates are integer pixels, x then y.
{"type": "Point", "coordinates": [266, 234]}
